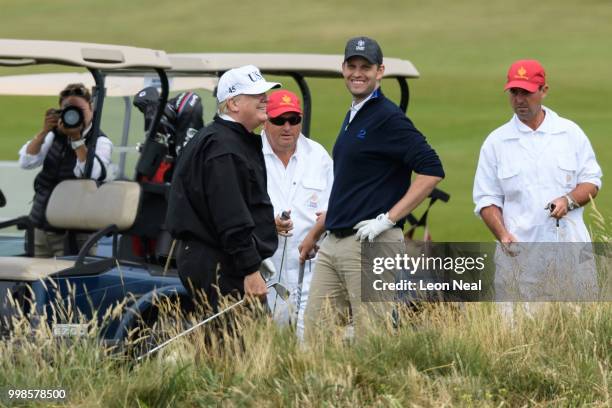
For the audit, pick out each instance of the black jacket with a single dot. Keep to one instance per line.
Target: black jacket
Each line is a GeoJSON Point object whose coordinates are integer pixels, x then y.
{"type": "Point", "coordinates": [219, 196]}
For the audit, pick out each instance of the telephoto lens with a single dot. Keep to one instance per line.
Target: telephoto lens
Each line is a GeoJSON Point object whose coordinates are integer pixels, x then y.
{"type": "Point", "coordinates": [72, 116]}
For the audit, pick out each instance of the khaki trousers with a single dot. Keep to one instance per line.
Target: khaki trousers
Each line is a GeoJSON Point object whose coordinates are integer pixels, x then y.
{"type": "Point", "coordinates": [335, 290]}
{"type": "Point", "coordinates": [49, 244]}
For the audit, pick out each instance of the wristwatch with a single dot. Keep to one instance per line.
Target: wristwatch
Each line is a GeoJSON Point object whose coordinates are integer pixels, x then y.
{"type": "Point", "coordinates": [571, 204]}
{"type": "Point", "coordinates": [77, 143]}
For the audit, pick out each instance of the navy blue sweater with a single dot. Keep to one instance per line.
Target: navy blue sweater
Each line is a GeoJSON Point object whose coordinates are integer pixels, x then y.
{"type": "Point", "coordinates": [374, 157]}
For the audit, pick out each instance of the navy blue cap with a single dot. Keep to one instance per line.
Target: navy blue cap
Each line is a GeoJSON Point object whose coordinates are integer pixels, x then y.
{"type": "Point", "coordinates": [363, 47]}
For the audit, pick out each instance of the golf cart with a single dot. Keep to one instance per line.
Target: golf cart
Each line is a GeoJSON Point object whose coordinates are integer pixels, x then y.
{"type": "Point", "coordinates": [78, 289]}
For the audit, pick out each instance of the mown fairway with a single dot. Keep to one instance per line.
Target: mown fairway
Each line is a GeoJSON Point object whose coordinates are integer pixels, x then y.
{"type": "Point", "coordinates": [462, 50]}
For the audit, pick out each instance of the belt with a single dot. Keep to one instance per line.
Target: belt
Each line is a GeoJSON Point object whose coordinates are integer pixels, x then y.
{"type": "Point", "coordinates": [343, 232]}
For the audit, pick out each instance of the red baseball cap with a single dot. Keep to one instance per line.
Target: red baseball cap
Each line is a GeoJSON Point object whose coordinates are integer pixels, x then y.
{"type": "Point", "coordinates": [526, 74]}
{"type": "Point", "coordinates": [282, 101]}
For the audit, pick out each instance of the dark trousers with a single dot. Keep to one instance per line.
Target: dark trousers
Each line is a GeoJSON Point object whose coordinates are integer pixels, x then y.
{"type": "Point", "coordinates": [206, 273]}
{"type": "Point", "coordinates": [206, 270]}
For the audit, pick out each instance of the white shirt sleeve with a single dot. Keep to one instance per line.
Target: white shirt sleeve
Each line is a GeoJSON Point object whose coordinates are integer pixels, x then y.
{"type": "Point", "coordinates": [104, 151]}
{"type": "Point", "coordinates": [487, 188]}
{"type": "Point", "coordinates": [588, 168]}
{"type": "Point", "coordinates": [30, 161]}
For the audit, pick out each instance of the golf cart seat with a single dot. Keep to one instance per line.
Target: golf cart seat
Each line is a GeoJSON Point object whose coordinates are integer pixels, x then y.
{"type": "Point", "coordinates": [83, 206]}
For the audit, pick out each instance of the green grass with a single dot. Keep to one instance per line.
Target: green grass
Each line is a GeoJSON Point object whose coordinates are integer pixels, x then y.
{"type": "Point", "coordinates": [462, 50]}
{"type": "Point", "coordinates": [558, 355]}
{"type": "Point", "coordinates": [446, 358]}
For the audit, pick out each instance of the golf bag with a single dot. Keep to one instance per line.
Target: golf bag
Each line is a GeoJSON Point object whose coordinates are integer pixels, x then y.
{"type": "Point", "coordinates": [180, 121]}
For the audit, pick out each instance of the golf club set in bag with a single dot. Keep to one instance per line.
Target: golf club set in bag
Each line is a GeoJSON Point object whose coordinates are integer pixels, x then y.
{"type": "Point", "coordinates": [180, 121]}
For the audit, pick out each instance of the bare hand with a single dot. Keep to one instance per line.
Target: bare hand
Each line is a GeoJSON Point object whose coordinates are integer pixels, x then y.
{"type": "Point", "coordinates": [254, 285]}
{"type": "Point", "coordinates": [506, 240]}
{"type": "Point", "coordinates": [321, 216]}
{"type": "Point", "coordinates": [308, 249]}
{"type": "Point", "coordinates": [51, 120]}
{"type": "Point", "coordinates": [283, 226]}
{"type": "Point", "coordinates": [560, 207]}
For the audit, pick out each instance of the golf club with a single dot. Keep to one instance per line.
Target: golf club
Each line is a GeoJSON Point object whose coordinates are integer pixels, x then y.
{"type": "Point", "coordinates": [551, 207]}
{"type": "Point", "coordinates": [281, 291]}
{"type": "Point", "coordinates": [284, 216]}
{"type": "Point", "coordinates": [299, 290]}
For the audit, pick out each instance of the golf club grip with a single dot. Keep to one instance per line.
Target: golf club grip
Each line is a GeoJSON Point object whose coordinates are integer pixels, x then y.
{"type": "Point", "coordinates": [551, 208]}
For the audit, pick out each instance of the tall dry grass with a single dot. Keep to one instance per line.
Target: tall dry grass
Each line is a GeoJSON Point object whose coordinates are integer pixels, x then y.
{"type": "Point", "coordinates": [558, 354]}
{"type": "Point", "coordinates": [446, 355]}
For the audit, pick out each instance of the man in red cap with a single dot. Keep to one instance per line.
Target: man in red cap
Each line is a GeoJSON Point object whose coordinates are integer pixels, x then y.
{"type": "Point", "coordinates": [300, 177]}
{"type": "Point", "coordinates": [535, 172]}
{"type": "Point", "coordinates": [535, 159]}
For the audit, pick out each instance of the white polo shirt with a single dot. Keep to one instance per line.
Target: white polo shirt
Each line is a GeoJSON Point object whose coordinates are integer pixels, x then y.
{"type": "Point", "coordinates": [520, 170]}
{"type": "Point", "coordinates": [303, 187]}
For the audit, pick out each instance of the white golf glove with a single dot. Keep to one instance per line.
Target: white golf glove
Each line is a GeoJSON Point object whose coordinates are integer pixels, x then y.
{"type": "Point", "coordinates": [370, 229]}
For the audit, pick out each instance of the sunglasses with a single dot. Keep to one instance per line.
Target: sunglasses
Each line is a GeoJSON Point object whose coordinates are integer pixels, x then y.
{"type": "Point", "coordinates": [280, 120]}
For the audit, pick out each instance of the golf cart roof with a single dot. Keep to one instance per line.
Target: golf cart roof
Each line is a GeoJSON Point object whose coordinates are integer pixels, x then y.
{"type": "Point", "coordinates": [116, 85]}
{"type": "Point", "coordinates": [89, 55]}
{"type": "Point", "coordinates": [297, 66]}
{"type": "Point", "coordinates": [310, 65]}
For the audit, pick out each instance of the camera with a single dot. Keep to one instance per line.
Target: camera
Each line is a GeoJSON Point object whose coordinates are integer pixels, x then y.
{"type": "Point", "coordinates": [71, 116]}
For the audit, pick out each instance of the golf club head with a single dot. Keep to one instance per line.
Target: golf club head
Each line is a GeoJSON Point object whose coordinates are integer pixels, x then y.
{"type": "Point", "coordinates": [267, 269]}
{"type": "Point", "coordinates": [281, 290]}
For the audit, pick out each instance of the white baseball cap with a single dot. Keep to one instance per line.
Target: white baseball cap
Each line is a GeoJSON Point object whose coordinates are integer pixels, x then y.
{"type": "Point", "coordinates": [246, 80]}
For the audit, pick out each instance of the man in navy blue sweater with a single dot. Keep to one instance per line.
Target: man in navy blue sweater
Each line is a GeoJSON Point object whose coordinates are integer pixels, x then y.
{"type": "Point", "coordinates": [375, 154]}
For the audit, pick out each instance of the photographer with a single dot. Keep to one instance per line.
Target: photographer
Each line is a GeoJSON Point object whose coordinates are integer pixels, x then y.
{"type": "Point", "coordinates": [61, 148]}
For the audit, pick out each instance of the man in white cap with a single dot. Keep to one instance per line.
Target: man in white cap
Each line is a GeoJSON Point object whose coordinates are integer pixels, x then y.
{"type": "Point", "coordinates": [219, 207]}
